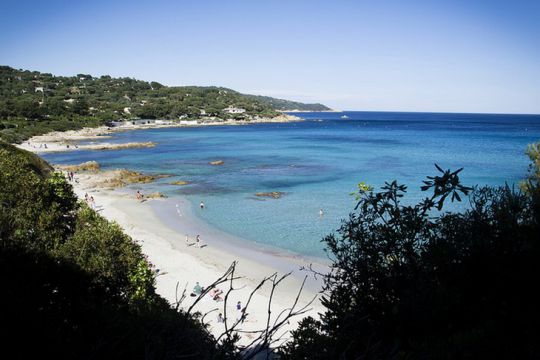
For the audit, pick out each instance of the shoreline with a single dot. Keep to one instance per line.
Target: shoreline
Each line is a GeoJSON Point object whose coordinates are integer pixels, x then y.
{"type": "Point", "coordinates": [180, 266]}
{"type": "Point", "coordinates": [181, 218]}
{"type": "Point", "coordinates": [68, 140]}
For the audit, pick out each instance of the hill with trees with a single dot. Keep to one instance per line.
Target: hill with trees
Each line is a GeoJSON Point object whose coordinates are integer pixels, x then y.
{"type": "Point", "coordinates": [287, 105]}
{"type": "Point", "coordinates": [33, 103]}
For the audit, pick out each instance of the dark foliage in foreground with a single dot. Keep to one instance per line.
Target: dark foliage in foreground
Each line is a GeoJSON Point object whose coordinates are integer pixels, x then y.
{"type": "Point", "coordinates": [412, 282]}
{"type": "Point", "coordinates": [74, 286]}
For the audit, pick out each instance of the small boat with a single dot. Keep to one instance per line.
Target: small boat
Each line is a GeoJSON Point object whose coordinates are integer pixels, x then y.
{"type": "Point", "coordinates": [344, 117]}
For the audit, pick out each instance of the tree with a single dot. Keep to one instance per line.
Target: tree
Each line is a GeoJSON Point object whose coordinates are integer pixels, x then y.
{"type": "Point", "coordinates": [533, 178]}
{"type": "Point", "coordinates": [415, 282]}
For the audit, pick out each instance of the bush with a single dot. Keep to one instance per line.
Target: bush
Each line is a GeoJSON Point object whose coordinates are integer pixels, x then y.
{"type": "Point", "coordinates": [412, 282]}
{"type": "Point", "coordinates": [73, 284]}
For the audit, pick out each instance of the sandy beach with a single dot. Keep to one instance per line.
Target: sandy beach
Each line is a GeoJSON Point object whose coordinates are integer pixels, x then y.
{"type": "Point", "coordinates": [180, 263]}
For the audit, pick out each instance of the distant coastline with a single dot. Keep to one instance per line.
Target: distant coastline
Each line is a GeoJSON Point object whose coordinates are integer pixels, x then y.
{"type": "Point", "coordinates": [309, 111]}
{"type": "Point", "coordinates": [67, 140]}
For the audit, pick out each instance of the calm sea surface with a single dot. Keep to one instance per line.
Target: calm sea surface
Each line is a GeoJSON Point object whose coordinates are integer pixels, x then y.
{"type": "Point", "coordinates": [317, 164]}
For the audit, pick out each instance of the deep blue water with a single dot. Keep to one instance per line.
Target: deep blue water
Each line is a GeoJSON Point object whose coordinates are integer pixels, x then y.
{"type": "Point", "coordinates": [318, 163]}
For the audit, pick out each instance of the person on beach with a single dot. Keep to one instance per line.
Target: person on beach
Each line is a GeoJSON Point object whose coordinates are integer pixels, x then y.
{"type": "Point", "coordinates": [202, 205]}
{"type": "Point", "coordinates": [215, 294]}
{"type": "Point", "coordinates": [187, 239]}
{"type": "Point", "coordinates": [72, 175]}
{"type": "Point", "coordinates": [197, 289]}
{"type": "Point", "coordinates": [92, 203]}
{"type": "Point", "coordinates": [321, 212]}
{"type": "Point", "coordinates": [86, 197]}
{"type": "Point", "coordinates": [238, 311]}
{"type": "Point", "coordinates": [220, 318]}
{"type": "Point", "coordinates": [198, 241]}
{"type": "Point", "coordinates": [139, 195]}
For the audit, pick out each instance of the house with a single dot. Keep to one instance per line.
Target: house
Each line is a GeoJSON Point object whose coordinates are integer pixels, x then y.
{"type": "Point", "coordinates": [234, 110]}
{"type": "Point", "coordinates": [39, 88]}
{"type": "Point", "coordinates": [163, 122]}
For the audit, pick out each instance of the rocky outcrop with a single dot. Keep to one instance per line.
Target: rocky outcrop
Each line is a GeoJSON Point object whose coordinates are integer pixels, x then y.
{"type": "Point", "coordinates": [120, 178]}
{"type": "Point", "coordinates": [86, 166]}
{"type": "Point", "coordinates": [217, 162]}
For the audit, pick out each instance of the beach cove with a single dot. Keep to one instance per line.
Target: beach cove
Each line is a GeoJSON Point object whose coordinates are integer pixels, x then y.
{"type": "Point", "coordinates": [312, 165]}
{"type": "Point", "coordinates": [179, 262]}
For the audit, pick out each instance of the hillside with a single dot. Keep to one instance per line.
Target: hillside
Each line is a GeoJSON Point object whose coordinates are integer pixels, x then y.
{"type": "Point", "coordinates": [287, 105]}
{"type": "Point", "coordinates": [33, 103]}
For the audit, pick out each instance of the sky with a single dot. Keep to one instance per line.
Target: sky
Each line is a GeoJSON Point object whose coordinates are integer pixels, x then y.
{"type": "Point", "coordinates": [441, 56]}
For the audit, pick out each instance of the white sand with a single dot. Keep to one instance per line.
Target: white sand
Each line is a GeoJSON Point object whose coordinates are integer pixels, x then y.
{"type": "Point", "coordinates": [181, 265]}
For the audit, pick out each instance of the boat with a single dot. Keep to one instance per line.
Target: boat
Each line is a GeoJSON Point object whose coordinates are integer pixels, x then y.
{"type": "Point", "coordinates": [344, 117]}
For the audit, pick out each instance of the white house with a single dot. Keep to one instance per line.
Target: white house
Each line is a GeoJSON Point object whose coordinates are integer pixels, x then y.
{"type": "Point", "coordinates": [234, 110]}
{"type": "Point", "coordinates": [39, 88]}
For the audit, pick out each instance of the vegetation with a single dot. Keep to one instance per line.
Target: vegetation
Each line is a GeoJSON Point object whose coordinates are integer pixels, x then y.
{"type": "Point", "coordinates": [412, 282]}
{"type": "Point", "coordinates": [406, 281]}
{"type": "Point", "coordinates": [284, 105]}
{"type": "Point", "coordinates": [33, 103]}
{"type": "Point", "coordinates": [74, 285]}
{"type": "Point", "coordinates": [533, 179]}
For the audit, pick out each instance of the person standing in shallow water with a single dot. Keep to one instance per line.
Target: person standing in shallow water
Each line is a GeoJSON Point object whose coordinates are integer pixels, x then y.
{"type": "Point", "coordinates": [202, 205]}
{"type": "Point", "coordinates": [198, 240]}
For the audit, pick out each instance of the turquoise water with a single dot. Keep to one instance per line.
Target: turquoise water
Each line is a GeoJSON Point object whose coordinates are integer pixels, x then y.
{"type": "Point", "coordinates": [317, 163]}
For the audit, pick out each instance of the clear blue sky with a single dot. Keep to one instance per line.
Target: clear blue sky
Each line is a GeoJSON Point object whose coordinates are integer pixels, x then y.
{"type": "Point", "coordinates": [457, 56]}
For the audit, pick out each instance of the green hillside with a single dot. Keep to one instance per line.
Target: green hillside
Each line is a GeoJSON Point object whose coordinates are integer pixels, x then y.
{"type": "Point", "coordinates": [284, 105]}
{"type": "Point", "coordinates": [33, 103]}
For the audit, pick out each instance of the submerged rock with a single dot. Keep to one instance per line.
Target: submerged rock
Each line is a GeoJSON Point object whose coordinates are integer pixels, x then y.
{"type": "Point", "coordinates": [155, 195]}
{"type": "Point", "coordinates": [180, 182]}
{"type": "Point", "coordinates": [272, 194]}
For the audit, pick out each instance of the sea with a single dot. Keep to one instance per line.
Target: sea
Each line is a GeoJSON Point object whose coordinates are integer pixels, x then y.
{"type": "Point", "coordinates": [316, 165]}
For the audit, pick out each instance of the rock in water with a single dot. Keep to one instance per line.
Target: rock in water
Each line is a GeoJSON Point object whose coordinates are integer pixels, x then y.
{"type": "Point", "coordinates": [273, 194]}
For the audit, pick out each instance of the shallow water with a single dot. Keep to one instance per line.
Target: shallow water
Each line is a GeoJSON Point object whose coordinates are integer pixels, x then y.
{"type": "Point", "coordinates": [316, 164]}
